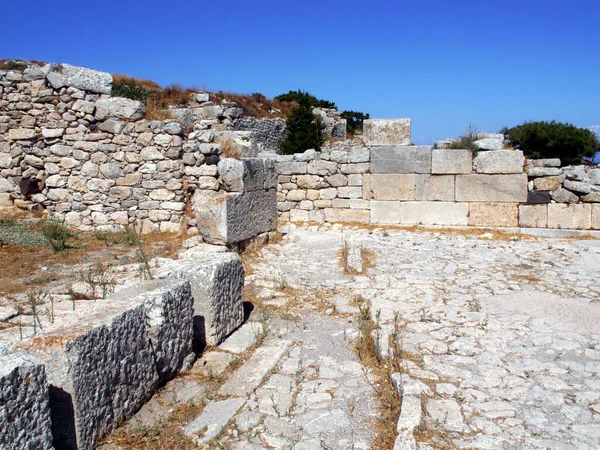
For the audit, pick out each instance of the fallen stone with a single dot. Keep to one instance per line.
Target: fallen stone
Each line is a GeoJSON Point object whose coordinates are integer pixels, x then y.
{"type": "Point", "coordinates": [82, 78]}
{"type": "Point", "coordinates": [579, 187]}
{"type": "Point", "coordinates": [354, 259]}
{"type": "Point", "coordinates": [564, 196]}
{"type": "Point", "coordinates": [490, 143]}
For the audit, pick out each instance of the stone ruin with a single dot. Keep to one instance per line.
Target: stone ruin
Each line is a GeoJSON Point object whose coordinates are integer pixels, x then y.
{"type": "Point", "coordinates": [68, 148]}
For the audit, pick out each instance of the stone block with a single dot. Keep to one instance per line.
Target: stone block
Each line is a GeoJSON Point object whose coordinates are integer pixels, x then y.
{"type": "Point", "coordinates": [21, 134]}
{"type": "Point", "coordinates": [570, 216]}
{"type": "Point", "coordinates": [544, 172]}
{"type": "Point", "coordinates": [347, 215]}
{"type": "Point", "coordinates": [434, 213]}
{"type": "Point", "coordinates": [400, 159]}
{"type": "Point", "coordinates": [548, 183]}
{"type": "Point", "coordinates": [493, 214]}
{"type": "Point", "coordinates": [386, 131]}
{"type": "Point", "coordinates": [385, 213]}
{"type": "Point", "coordinates": [24, 403]}
{"type": "Point", "coordinates": [389, 187]}
{"type": "Point", "coordinates": [596, 217]}
{"type": "Point", "coordinates": [229, 218]}
{"type": "Point", "coordinates": [491, 188]}
{"type": "Point", "coordinates": [538, 197]}
{"type": "Point", "coordinates": [550, 162]}
{"type": "Point", "coordinates": [119, 108]}
{"type": "Point", "coordinates": [291, 167]}
{"type": "Point", "coordinates": [216, 280]}
{"type": "Point", "coordinates": [434, 188]}
{"type": "Point", "coordinates": [82, 78]}
{"type": "Point", "coordinates": [107, 359]}
{"type": "Point", "coordinates": [451, 161]}
{"type": "Point", "coordinates": [490, 143]}
{"type": "Point", "coordinates": [500, 161]}
{"type": "Point", "coordinates": [533, 216]}
{"type": "Point", "coordinates": [350, 192]}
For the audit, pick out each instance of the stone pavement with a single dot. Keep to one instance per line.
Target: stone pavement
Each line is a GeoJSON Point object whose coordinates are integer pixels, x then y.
{"type": "Point", "coordinates": [501, 336]}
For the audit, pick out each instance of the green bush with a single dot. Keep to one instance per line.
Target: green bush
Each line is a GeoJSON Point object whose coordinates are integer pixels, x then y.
{"type": "Point", "coordinates": [354, 120]}
{"type": "Point", "coordinates": [554, 140]}
{"type": "Point", "coordinates": [298, 96]}
{"type": "Point", "coordinates": [130, 90]}
{"type": "Point", "coordinates": [304, 130]}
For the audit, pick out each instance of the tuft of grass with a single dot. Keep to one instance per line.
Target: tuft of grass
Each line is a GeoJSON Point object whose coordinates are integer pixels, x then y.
{"type": "Point", "coordinates": [466, 140]}
{"type": "Point", "coordinates": [230, 149]}
{"type": "Point", "coordinates": [56, 233]}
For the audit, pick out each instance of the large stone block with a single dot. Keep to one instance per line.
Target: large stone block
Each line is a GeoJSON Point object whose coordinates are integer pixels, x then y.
{"type": "Point", "coordinates": [24, 403]}
{"type": "Point", "coordinates": [106, 360]}
{"type": "Point", "coordinates": [347, 215]}
{"type": "Point", "coordinates": [291, 167]}
{"type": "Point", "coordinates": [500, 161]}
{"type": "Point", "coordinates": [570, 216]}
{"type": "Point", "coordinates": [400, 159]}
{"type": "Point", "coordinates": [434, 188]}
{"type": "Point", "coordinates": [385, 212]}
{"type": "Point", "coordinates": [596, 217]}
{"type": "Point", "coordinates": [386, 131]}
{"type": "Point", "coordinates": [82, 78]}
{"type": "Point", "coordinates": [120, 108]}
{"type": "Point", "coordinates": [451, 161]}
{"type": "Point", "coordinates": [216, 281]}
{"type": "Point", "coordinates": [229, 218]}
{"type": "Point", "coordinates": [533, 216]}
{"type": "Point", "coordinates": [491, 188]}
{"type": "Point", "coordinates": [434, 213]}
{"type": "Point", "coordinates": [389, 186]}
{"type": "Point", "coordinates": [493, 214]}
{"type": "Point", "coordinates": [247, 174]}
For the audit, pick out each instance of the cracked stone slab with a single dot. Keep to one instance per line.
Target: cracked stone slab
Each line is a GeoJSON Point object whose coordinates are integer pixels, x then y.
{"type": "Point", "coordinates": [211, 421]}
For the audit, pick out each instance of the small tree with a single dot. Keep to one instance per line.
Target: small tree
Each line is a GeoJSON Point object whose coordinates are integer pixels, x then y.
{"type": "Point", "coordinates": [304, 130]}
{"type": "Point", "coordinates": [354, 120]}
{"type": "Point", "coordinates": [554, 140]}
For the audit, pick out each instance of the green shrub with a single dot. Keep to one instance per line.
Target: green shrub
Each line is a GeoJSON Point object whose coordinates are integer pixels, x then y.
{"type": "Point", "coordinates": [466, 140]}
{"type": "Point", "coordinates": [354, 120]}
{"type": "Point", "coordinates": [130, 90]}
{"type": "Point", "coordinates": [304, 130]}
{"type": "Point", "coordinates": [298, 96]}
{"type": "Point", "coordinates": [56, 233]}
{"type": "Point", "coordinates": [554, 140]}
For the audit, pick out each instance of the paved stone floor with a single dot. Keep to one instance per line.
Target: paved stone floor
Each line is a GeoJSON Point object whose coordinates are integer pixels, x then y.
{"type": "Point", "coordinates": [502, 333]}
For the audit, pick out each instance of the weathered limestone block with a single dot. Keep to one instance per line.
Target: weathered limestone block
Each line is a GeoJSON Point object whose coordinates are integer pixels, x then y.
{"type": "Point", "coordinates": [434, 188]}
{"type": "Point", "coordinates": [389, 186]}
{"type": "Point", "coordinates": [216, 280]}
{"type": "Point", "coordinates": [79, 77]}
{"type": "Point", "coordinates": [500, 161]}
{"type": "Point", "coordinates": [561, 195]}
{"type": "Point", "coordinates": [596, 217]}
{"type": "Point", "coordinates": [548, 183]}
{"type": "Point", "coordinates": [550, 162]}
{"type": "Point", "coordinates": [544, 171]}
{"type": "Point", "coordinates": [21, 134]}
{"type": "Point", "coordinates": [400, 159]}
{"type": "Point", "coordinates": [434, 213]}
{"type": "Point", "coordinates": [110, 357]}
{"type": "Point", "coordinates": [231, 174]}
{"type": "Point", "coordinates": [385, 212]}
{"type": "Point", "coordinates": [229, 218]}
{"type": "Point", "coordinates": [493, 214]}
{"type": "Point", "coordinates": [573, 216]}
{"type": "Point", "coordinates": [347, 215]}
{"type": "Point", "coordinates": [533, 216]}
{"type": "Point", "coordinates": [120, 108]}
{"type": "Point", "coordinates": [24, 403]}
{"type": "Point", "coordinates": [451, 161]}
{"type": "Point", "coordinates": [386, 131]}
{"type": "Point", "coordinates": [491, 188]}
{"type": "Point", "coordinates": [490, 143]}
{"type": "Point", "coordinates": [291, 167]}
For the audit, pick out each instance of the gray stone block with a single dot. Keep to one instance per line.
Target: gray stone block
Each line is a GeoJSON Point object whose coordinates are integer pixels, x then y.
{"type": "Point", "coordinates": [491, 188]}
{"type": "Point", "coordinates": [538, 197]}
{"type": "Point", "coordinates": [291, 167]}
{"type": "Point", "coordinates": [82, 78]}
{"type": "Point", "coordinates": [533, 216]}
{"type": "Point", "coordinates": [216, 281]}
{"type": "Point", "coordinates": [109, 361]}
{"type": "Point", "coordinates": [550, 162]}
{"type": "Point", "coordinates": [24, 403]}
{"type": "Point", "coordinates": [386, 131]}
{"type": "Point", "coordinates": [434, 188]}
{"type": "Point", "coordinates": [500, 161]}
{"type": "Point", "coordinates": [389, 187]}
{"type": "Point", "coordinates": [451, 161]}
{"type": "Point", "coordinates": [120, 108]}
{"type": "Point", "coordinates": [385, 212]}
{"type": "Point", "coordinates": [577, 216]}
{"type": "Point", "coordinates": [400, 159]}
{"type": "Point", "coordinates": [229, 218]}
{"type": "Point", "coordinates": [489, 143]}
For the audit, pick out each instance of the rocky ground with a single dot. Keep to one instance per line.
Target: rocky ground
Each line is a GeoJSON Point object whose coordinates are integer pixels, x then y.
{"type": "Point", "coordinates": [500, 332]}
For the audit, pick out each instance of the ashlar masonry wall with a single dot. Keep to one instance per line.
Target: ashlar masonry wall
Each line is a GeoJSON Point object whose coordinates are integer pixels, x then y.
{"type": "Point", "coordinates": [385, 180]}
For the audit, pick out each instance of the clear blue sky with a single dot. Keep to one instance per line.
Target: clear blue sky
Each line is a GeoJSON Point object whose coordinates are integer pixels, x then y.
{"type": "Point", "coordinates": [442, 63]}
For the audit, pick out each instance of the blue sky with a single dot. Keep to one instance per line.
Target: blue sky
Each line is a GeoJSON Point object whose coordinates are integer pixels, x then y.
{"type": "Point", "coordinates": [444, 64]}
